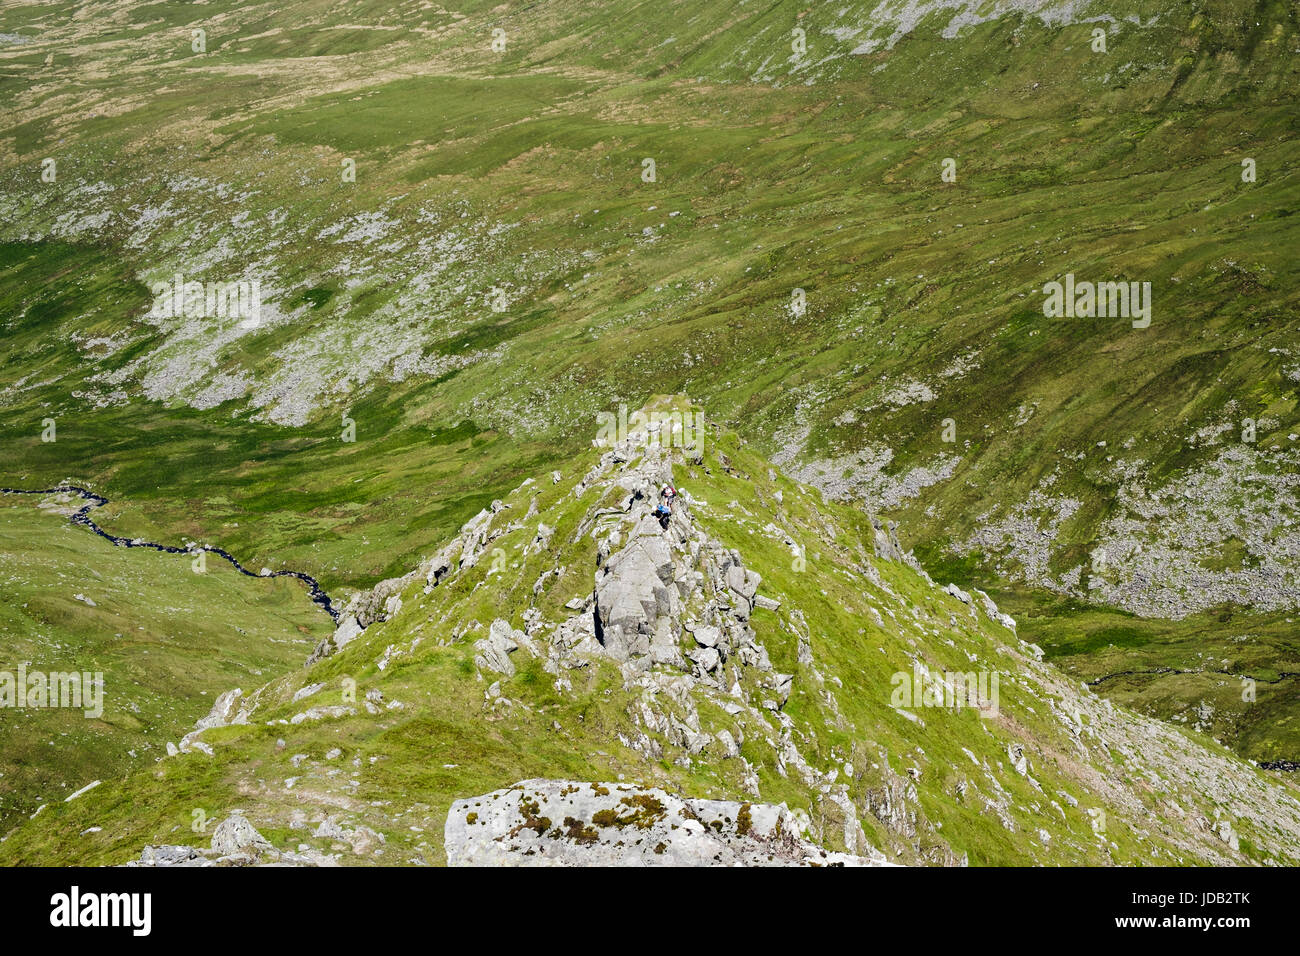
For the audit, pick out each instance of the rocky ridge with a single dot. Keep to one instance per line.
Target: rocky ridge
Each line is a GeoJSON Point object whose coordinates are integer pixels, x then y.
{"type": "Point", "coordinates": [671, 606]}
{"type": "Point", "coordinates": [745, 655]}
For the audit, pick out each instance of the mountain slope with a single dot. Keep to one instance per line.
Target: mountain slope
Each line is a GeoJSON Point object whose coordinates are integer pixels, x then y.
{"type": "Point", "coordinates": [139, 624]}
{"type": "Point", "coordinates": [751, 651]}
{"type": "Point", "coordinates": [501, 267]}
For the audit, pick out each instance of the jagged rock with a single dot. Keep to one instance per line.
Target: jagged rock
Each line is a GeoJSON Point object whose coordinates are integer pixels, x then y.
{"type": "Point", "coordinates": [347, 630]}
{"type": "Point", "coordinates": [235, 835]}
{"type": "Point", "coordinates": [706, 657]}
{"type": "Point", "coordinates": [634, 594]}
{"type": "Point", "coordinates": [743, 581]}
{"type": "Point", "coordinates": [707, 636]}
{"type": "Point", "coordinates": [1019, 762]}
{"type": "Point", "coordinates": [1225, 833]}
{"type": "Point", "coordinates": [188, 856]}
{"type": "Point", "coordinates": [321, 713]}
{"type": "Point", "coordinates": [225, 711]}
{"type": "Point", "coordinates": [362, 840]}
{"type": "Point", "coordinates": [190, 743]}
{"type": "Point", "coordinates": [171, 856]}
{"type": "Point", "coordinates": [958, 593]}
{"type": "Point", "coordinates": [782, 684]}
{"type": "Point", "coordinates": [569, 823]}
{"type": "Point", "coordinates": [304, 692]}
{"type": "Point", "coordinates": [383, 601]}
{"type": "Point", "coordinates": [496, 648]}
{"type": "Point", "coordinates": [542, 540]}
{"type": "Point", "coordinates": [647, 576]}
{"type": "Point", "coordinates": [991, 610]}
{"type": "Point", "coordinates": [474, 537]}
{"type": "Point", "coordinates": [886, 541]}
{"type": "Point", "coordinates": [805, 654]}
{"type": "Point", "coordinates": [378, 604]}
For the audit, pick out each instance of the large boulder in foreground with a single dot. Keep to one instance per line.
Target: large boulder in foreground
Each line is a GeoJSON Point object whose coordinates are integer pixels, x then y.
{"type": "Point", "coordinates": [573, 823]}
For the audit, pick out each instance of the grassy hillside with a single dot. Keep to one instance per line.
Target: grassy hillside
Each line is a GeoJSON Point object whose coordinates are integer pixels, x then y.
{"type": "Point", "coordinates": [407, 717]}
{"type": "Point", "coordinates": [501, 269]}
{"type": "Point", "coordinates": [165, 638]}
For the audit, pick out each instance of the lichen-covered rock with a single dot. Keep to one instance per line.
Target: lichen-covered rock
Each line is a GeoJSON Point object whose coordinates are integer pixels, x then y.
{"type": "Point", "coordinates": [572, 823]}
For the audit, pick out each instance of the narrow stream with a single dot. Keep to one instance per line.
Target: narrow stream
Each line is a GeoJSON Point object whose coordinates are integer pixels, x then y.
{"type": "Point", "coordinates": [82, 517]}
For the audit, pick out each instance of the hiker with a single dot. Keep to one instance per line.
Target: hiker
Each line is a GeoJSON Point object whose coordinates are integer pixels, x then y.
{"type": "Point", "coordinates": [664, 510]}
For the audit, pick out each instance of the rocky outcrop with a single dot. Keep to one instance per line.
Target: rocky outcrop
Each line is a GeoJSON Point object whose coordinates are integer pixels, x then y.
{"type": "Point", "coordinates": [230, 707]}
{"type": "Point", "coordinates": [378, 604]}
{"type": "Point", "coordinates": [572, 823]}
{"type": "Point", "coordinates": [236, 835]}
{"type": "Point", "coordinates": [384, 600]}
{"type": "Point", "coordinates": [667, 625]}
{"type": "Point", "coordinates": [235, 842]}
{"type": "Point", "coordinates": [637, 598]}
{"type": "Point", "coordinates": [494, 651]}
{"type": "Point", "coordinates": [673, 596]}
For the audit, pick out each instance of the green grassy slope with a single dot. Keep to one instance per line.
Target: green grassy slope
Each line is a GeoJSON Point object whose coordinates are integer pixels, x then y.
{"type": "Point", "coordinates": [421, 724]}
{"type": "Point", "coordinates": [165, 638]}
{"type": "Point", "coordinates": [521, 172]}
